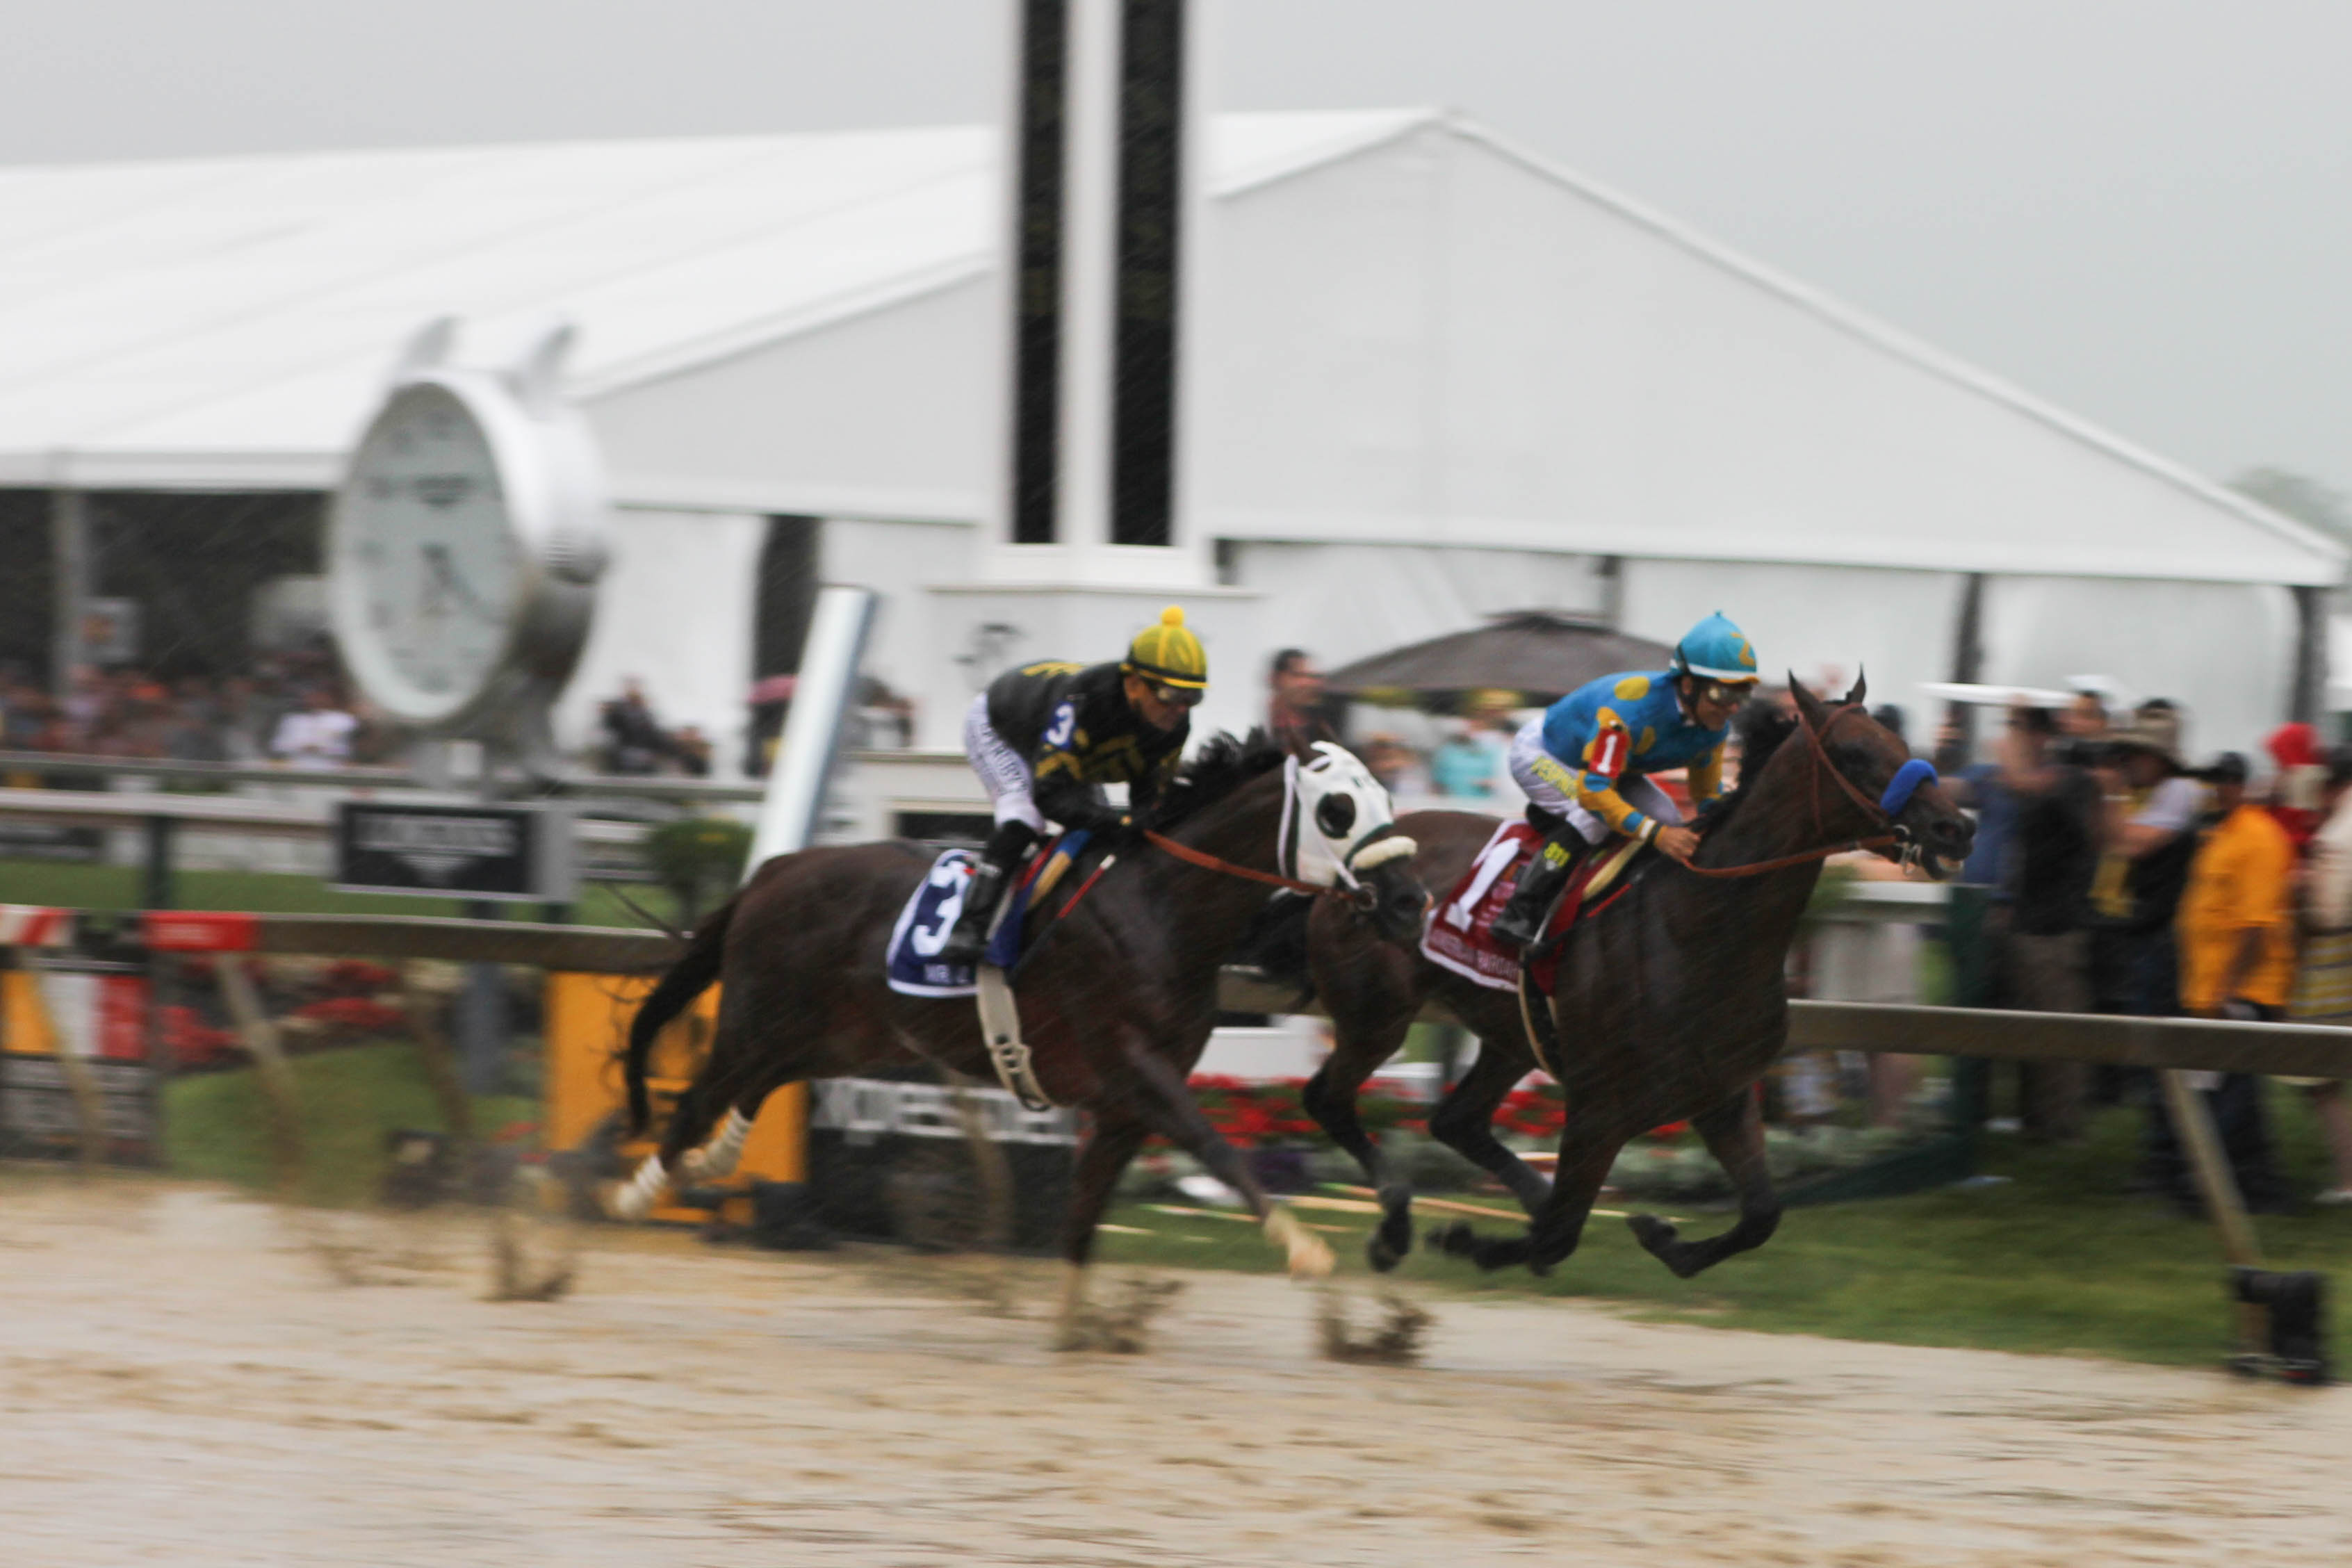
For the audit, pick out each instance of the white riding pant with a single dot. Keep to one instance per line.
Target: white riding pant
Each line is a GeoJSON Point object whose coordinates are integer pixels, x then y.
{"type": "Point", "coordinates": [1001, 772]}
{"type": "Point", "coordinates": [1637, 792]}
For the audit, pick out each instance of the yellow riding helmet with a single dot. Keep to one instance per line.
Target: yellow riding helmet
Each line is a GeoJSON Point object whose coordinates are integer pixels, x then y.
{"type": "Point", "coordinates": [1169, 654]}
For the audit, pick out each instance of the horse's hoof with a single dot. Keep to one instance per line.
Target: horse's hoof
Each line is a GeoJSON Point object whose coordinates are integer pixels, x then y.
{"type": "Point", "coordinates": [1455, 1239]}
{"type": "Point", "coordinates": [1311, 1259]}
{"type": "Point", "coordinates": [1391, 1240]}
{"type": "Point", "coordinates": [1652, 1232]}
{"type": "Point", "coordinates": [626, 1201]}
{"type": "Point", "coordinates": [1380, 1255]}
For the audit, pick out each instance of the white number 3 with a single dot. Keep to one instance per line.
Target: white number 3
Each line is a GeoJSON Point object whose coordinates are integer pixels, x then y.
{"type": "Point", "coordinates": [1066, 720]}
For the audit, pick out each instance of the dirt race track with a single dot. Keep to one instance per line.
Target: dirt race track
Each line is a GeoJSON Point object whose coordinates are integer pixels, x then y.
{"type": "Point", "coordinates": [187, 1384]}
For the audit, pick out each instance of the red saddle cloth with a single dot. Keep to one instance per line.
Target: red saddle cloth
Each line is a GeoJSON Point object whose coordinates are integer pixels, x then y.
{"type": "Point", "coordinates": [1460, 935]}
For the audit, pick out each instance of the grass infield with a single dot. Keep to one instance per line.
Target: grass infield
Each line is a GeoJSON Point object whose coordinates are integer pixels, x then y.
{"type": "Point", "coordinates": [2058, 1258]}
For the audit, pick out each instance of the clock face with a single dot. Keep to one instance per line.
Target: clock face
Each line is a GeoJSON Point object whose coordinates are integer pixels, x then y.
{"type": "Point", "coordinates": [427, 567]}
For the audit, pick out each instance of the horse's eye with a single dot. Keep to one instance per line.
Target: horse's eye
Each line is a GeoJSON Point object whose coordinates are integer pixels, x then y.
{"type": "Point", "coordinates": [1335, 814]}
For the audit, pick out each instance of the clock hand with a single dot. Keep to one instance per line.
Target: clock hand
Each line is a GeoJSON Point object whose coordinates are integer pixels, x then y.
{"type": "Point", "coordinates": [445, 572]}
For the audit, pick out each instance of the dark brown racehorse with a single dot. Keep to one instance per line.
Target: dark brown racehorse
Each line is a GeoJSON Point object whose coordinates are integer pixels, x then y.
{"type": "Point", "coordinates": [1669, 1006]}
{"type": "Point", "coordinates": [1117, 999]}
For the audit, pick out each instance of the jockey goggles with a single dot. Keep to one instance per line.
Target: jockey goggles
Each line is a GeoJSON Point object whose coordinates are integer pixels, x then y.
{"type": "Point", "coordinates": [1729, 694]}
{"type": "Point", "coordinates": [1175, 695]}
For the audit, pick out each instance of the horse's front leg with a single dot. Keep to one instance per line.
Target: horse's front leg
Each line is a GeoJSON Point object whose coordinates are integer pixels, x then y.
{"type": "Point", "coordinates": [1587, 1150]}
{"type": "Point", "coordinates": [1118, 1133]}
{"type": "Point", "coordinates": [1734, 1132]}
{"type": "Point", "coordinates": [1166, 1105]}
{"type": "Point", "coordinates": [1464, 1122]}
{"type": "Point", "coordinates": [1357, 1051]}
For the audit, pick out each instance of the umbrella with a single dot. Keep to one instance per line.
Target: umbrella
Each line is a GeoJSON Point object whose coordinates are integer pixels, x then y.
{"type": "Point", "coordinates": [1536, 653]}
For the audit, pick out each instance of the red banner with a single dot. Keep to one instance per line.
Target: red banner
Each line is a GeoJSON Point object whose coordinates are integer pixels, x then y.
{"type": "Point", "coordinates": [200, 931]}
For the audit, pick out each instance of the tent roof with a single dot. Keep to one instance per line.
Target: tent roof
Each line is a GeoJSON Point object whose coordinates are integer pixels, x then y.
{"type": "Point", "coordinates": [228, 321]}
{"type": "Point", "coordinates": [1534, 652]}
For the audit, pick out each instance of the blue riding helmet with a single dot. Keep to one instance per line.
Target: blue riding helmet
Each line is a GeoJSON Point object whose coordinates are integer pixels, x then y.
{"type": "Point", "coordinates": [1717, 650]}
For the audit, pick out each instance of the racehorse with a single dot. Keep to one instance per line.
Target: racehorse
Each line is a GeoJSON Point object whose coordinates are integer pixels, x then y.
{"type": "Point", "coordinates": [1668, 1006]}
{"type": "Point", "coordinates": [1117, 995]}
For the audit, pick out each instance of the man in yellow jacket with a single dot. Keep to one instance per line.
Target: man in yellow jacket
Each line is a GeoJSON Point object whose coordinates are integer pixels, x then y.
{"type": "Point", "coordinates": [2236, 929]}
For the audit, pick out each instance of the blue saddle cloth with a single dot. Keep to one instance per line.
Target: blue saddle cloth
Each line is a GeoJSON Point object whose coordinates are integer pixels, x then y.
{"type": "Point", "coordinates": [930, 914]}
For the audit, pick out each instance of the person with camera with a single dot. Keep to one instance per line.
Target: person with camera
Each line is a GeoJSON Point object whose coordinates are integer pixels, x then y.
{"type": "Point", "coordinates": [2046, 884]}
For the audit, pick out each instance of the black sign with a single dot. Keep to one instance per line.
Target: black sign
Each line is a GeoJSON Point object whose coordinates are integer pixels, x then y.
{"type": "Point", "coordinates": [52, 841]}
{"type": "Point", "coordinates": [520, 852]}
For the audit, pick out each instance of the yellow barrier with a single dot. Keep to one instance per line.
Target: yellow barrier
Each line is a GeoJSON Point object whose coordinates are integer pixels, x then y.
{"type": "Point", "coordinates": [24, 1022]}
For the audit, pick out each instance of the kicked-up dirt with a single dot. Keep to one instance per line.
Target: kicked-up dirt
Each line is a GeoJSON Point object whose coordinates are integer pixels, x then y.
{"type": "Point", "coordinates": [189, 1378]}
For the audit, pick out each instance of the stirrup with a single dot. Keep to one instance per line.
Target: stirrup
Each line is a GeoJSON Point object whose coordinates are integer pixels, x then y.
{"type": "Point", "coordinates": [1512, 941]}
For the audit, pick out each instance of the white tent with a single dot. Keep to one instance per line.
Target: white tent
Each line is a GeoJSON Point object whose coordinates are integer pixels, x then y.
{"type": "Point", "coordinates": [1429, 377]}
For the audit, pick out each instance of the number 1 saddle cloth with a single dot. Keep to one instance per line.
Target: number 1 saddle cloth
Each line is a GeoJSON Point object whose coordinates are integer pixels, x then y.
{"type": "Point", "coordinates": [1459, 934]}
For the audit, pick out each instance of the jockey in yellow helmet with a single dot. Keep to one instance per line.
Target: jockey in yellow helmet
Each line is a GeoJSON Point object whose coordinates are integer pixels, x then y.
{"type": "Point", "coordinates": [1044, 736]}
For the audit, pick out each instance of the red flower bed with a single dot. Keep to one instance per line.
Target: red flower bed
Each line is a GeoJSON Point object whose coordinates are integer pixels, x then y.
{"type": "Point", "coordinates": [1272, 1114]}
{"type": "Point", "coordinates": [356, 977]}
{"type": "Point", "coordinates": [1532, 1112]}
{"type": "Point", "coordinates": [190, 1042]}
{"type": "Point", "coordinates": [352, 1014]}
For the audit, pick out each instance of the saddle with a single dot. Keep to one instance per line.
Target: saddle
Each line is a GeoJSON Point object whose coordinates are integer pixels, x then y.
{"type": "Point", "coordinates": [1459, 935]}
{"type": "Point", "coordinates": [915, 970]}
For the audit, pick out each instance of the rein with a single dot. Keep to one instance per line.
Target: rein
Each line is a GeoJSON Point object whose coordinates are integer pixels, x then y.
{"type": "Point", "coordinates": [1907, 780]}
{"type": "Point", "coordinates": [1209, 862]}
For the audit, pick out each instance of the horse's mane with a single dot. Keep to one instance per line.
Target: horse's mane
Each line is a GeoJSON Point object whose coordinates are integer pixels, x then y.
{"type": "Point", "coordinates": [1219, 767]}
{"type": "Point", "coordinates": [1760, 727]}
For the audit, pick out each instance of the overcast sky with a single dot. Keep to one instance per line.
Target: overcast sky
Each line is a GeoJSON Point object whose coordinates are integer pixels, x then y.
{"type": "Point", "coordinates": [2139, 209]}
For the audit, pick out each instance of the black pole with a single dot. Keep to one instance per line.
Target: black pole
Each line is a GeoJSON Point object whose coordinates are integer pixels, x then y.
{"type": "Point", "coordinates": [155, 884]}
{"type": "Point", "coordinates": [481, 1019]}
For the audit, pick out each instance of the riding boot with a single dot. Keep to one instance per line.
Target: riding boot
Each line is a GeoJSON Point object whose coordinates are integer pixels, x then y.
{"type": "Point", "coordinates": [1540, 882]}
{"type": "Point", "coordinates": [989, 877]}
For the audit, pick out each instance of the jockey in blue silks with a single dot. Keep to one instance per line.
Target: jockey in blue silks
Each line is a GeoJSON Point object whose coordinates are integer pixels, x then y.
{"type": "Point", "coordinates": [1584, 762]}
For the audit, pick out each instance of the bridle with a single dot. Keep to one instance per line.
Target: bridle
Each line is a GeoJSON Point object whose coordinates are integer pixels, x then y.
{"type": "Point", "coordinates": [1880, 813]}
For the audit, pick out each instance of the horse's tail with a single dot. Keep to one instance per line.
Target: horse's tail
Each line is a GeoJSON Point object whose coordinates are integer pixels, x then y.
{"type": "Point", "coordinates": [691, 975]}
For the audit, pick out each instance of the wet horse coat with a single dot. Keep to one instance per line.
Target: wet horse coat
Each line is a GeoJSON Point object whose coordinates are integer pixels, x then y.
{"type": "Point", "coordinates": [1668, 1007]}
{"type": "Point", "coordinates": [1117, 1001]}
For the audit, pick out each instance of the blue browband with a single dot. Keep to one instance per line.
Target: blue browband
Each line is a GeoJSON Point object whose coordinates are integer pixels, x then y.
{"type": "Point", "coordinates": [1904, 783]}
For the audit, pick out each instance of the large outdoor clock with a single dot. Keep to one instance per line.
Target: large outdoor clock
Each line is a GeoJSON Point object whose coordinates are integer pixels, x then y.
{"type": "Point", "coordinates": [465, 545]}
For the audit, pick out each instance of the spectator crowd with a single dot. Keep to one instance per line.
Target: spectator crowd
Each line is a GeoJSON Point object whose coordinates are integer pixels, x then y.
{"type": "Point", "coordinates": [2110, 875]}
{"type": "Point", "coordinates": [293, 708]}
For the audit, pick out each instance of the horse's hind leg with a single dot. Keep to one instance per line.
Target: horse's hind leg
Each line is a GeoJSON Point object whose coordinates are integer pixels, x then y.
{"type": "Point", "coordinates": [1734, 1131]}
{"type": "Point", "coordinates": [1465, 1122]}
{"type": "Point", "coordinates": [1330, 1099]}
{"type": "Point", "coordinates": [715, 1161]}
{"type": "Point", "coordinates": [730, 1077]}
{"type": "Point", "coordinates": [1110, 1146]}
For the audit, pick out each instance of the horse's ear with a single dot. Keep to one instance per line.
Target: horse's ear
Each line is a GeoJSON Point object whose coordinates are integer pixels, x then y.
{"type": "Point", "coordinates": [1807, 703]}
{"type": "Point", "coordinates": [1861, 688]}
